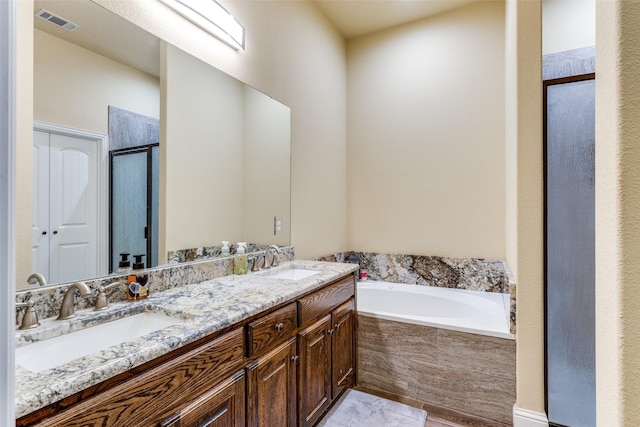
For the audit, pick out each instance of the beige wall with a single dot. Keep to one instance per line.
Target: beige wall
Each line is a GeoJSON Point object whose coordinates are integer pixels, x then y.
{"type": "Point", "coordinates": [201, 154]}
{"type": "Point", "coordinates": [266, 169]}
{"type": "Point", "coordinates": [285, 43]}
{"type": "Point", "coordinates": [568, 24]}
{"type": "Point", "coordinates": [617, 219]}
{"type": "Point", "coordinates": [74, 86]}
{"type": "Point", "coordinates": [524, 194]}
{"type": "Point", "coordinates": [426, 136]}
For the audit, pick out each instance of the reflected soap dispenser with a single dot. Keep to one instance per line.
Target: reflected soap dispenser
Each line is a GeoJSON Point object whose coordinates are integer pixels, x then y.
{"type": "Point", "coordinates": [124, 265]}
{"type": "Point", "coordinates": [240, 264]}
{"type": "Point", "coordinates": [225, 250]}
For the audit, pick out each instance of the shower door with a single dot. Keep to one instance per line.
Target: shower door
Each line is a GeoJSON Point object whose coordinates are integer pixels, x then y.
{"type": "Point", "coordinates": [570, 250]}
{"type": "Point", "coordinates": [134, 186]}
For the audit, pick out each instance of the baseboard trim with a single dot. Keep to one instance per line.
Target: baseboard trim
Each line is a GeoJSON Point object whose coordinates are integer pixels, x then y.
{"type": "Point", "coordinates": [526, 418]}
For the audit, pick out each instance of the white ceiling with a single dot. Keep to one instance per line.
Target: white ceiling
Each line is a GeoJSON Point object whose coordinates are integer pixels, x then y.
{"type": "Point", "coordinates": [354, 18]}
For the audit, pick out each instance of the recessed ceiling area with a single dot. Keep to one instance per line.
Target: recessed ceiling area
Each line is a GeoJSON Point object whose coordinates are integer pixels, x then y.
{"type": "Point", "coordinates": [355, 18]}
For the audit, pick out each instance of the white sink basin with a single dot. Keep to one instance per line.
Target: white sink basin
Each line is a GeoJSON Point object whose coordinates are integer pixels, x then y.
{"type": "Point", "coordinates": [295, 274]}
{"type": "Point", "coordinates": [57, 351]}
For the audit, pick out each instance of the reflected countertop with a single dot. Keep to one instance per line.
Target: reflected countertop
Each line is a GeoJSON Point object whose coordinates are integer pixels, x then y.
{"type": "Point", "coordinates": [206, 307]}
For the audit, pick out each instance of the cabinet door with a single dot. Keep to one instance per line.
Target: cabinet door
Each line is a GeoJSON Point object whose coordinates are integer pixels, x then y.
{"type": "Point", "coordinates": [343, 320]}
{"type": "Point", "coordinates": [271, 391]}
{"type": "Point", "coordinates": [223, 406]}
{"type": "Point", "coordinates": [315, 370]}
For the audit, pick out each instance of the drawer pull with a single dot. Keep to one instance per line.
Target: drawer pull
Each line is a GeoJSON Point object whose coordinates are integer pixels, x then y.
{"type": "Point", "coordinates": [215, 416]}
{"type": "Point", "coordinates": [279, 327]}
{"type": "Point", "coordinates": [295, 359]}
{"type": "Point", "coordinates": [171, 421]}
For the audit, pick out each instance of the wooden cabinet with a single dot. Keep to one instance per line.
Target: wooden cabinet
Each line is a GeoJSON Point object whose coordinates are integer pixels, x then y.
{"type": "Point", "coordinates": [271, 388]}
{"type": "Point", "coordinates": [154, 396]}
{"type": "Point", "coordinates": [314, 347]}
{"type": "Point", "coordinates": [222, 406]}
{"type": "Point", "coordinates": [343, 348]}
{"type": "Point", "coordinates": [290, 365]}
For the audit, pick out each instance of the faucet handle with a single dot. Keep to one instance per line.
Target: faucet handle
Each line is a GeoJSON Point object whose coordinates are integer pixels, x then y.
{"type": "Point", "coordinates": [255, 266]}
{"type": "Point", "coordinates": [30, 318]}
{"type": "Point", "coordinates": [101, 301]}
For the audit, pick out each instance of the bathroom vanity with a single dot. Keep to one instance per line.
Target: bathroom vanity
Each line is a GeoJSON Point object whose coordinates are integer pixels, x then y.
{"type": "Point", "coordinates": [260, 349]}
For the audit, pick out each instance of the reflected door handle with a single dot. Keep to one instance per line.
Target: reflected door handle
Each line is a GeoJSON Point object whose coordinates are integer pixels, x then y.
{"type": "Point", "coordinates": [55, 232]}
{"type": "Point", "coordinates": [44, 233]}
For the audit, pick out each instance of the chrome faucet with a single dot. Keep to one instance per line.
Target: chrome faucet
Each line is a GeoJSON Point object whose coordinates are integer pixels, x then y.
{"type": "Point", "coordinates": [101, 301]}
{"type": "Point", "coordinates": [37, 278]}
{"type": "Point", "coordinates": [273, 262]}
{"type": "Point", "coordinates": [30, 318]}
{"type": "Point", "coordinates": [67, 310]}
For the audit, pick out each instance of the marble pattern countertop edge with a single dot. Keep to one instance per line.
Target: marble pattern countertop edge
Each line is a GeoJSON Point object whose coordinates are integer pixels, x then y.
{"type": "Point", "coordinates": [206, 307]}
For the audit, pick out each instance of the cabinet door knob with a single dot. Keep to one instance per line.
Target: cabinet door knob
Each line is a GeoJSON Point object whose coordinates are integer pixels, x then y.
{"type": "Point", "coordinates": [337, 326]}
{"type": "Point", "coordinates": [295, 359]}
{"type": "Point", "coordinates": [330, 331]}
{"type": "Point", "coordinates": [279, 327]}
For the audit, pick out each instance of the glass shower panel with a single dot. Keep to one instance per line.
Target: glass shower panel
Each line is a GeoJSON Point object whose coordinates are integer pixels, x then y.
{"type": "Point", "coordinates": [128, 205]}
{"type": "Point", "coordinates": [570, 244]}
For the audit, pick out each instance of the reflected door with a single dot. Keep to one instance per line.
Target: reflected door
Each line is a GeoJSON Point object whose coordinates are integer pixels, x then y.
{"type": "Point", "coordinates": [570, 250]}
{"type": "Point", "coordinates": [65, 207]}
{"type": "Point", "coordinates": [134, 204]}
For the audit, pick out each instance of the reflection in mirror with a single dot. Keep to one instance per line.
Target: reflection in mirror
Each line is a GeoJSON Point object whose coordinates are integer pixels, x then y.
{"type": "Point", "coordinates": [223, 150]}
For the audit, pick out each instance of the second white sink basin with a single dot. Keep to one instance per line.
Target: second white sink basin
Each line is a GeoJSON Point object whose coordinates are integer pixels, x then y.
{"type": "Point", "coordinates": [295, 274]}
{"type": "Point", "coordinates": [57, 351]}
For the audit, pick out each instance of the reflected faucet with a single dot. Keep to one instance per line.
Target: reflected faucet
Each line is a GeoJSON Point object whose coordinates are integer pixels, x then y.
{"type": "Point", "coordinates": [273, 262]}
{"type": "Point", "coordinates": [37, 278]}
{"type": "Point", "coordinates": [67, 310]}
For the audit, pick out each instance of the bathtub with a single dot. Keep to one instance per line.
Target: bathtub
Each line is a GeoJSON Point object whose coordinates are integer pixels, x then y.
{"type": "Point", "coordinates": [484, 313]}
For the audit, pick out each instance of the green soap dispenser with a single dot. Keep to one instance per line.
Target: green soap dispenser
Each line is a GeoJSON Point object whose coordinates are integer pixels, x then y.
{"type": "Point", "coordinates": [240, 264]}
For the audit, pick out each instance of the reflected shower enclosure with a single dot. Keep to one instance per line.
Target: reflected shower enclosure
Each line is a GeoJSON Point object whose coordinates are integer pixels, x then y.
{"type": "Point", "coordinates": [133, 201]}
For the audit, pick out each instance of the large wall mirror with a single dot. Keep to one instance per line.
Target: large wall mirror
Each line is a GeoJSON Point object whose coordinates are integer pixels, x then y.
{"type": "Point", "coordinates": [217, 168]}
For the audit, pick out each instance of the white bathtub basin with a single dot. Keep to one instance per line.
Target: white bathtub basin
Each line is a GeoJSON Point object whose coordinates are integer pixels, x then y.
{"type": "Point", "coordinates": [295, 274]}
{"type": "Point", "coordinates": [57, 351]}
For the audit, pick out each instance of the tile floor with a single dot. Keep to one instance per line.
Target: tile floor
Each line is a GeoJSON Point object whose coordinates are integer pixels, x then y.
{"type": "Point", "coordinates": [438, 417]}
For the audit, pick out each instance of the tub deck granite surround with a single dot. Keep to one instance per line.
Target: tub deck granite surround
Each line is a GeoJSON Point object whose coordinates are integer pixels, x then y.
{"type": "Point", "coordinates": [466, 373]}
{"type": "Point", "coordinates": [475, 274]}
{"type": "Point", "coordinates": [210, 306]}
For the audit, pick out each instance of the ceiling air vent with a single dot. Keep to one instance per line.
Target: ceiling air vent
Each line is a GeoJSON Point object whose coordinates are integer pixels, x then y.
{"type": "Point", "coordinates": [56, 20]}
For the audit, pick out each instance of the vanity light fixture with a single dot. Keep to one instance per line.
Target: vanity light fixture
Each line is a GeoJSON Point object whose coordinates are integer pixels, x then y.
{"type": "Point", "coordinates": [211, 17]}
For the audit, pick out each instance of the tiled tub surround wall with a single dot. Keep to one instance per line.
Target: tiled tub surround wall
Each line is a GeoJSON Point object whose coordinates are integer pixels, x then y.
{"type": "Point", "coordinates": [472, 375]}
{"type": "Point", "coordinates": [49, 299]}
{"type": "Point", "coordinates": [475, 274]}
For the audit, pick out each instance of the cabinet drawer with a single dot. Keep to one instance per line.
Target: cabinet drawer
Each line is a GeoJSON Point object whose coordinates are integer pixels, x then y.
{"type": "Point", "coordinates": [271, 329]}
{"type": "Point", "coordinates": [323, 301]}
{"type": "Point", "coordinates": [151, 396]}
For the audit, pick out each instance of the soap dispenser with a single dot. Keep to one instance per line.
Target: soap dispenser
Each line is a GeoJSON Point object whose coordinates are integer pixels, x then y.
{"type": "Point", "coordinates": [240, 264]}
{"type": "Point", "coordinates": [137, 280]}
{"type": "Point", "coordinates": [124, 265]}
{"type": "Point", "coordinates": [225, 250]}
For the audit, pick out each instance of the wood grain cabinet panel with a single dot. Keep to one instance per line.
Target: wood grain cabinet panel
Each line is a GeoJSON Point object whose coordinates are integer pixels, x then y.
{"type": "Point", "coordinates": [314, 348]}
{"type": "Point", "coordinates": [343, 347]}
{"type": "Point", "coordinates": [149, 398]}
{"type": "Point", "coordinates": [271, 388]}
{"type": "Point", "coordinates": [223, 406]}
{"type": "Point", "coordinates": [271, 329]}
{"type": "Point", "coordinates": [323, 301]}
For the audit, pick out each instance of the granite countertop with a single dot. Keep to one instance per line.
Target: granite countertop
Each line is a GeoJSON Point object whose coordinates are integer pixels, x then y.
{"type": "Point", "coordinates": [206, 308]}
